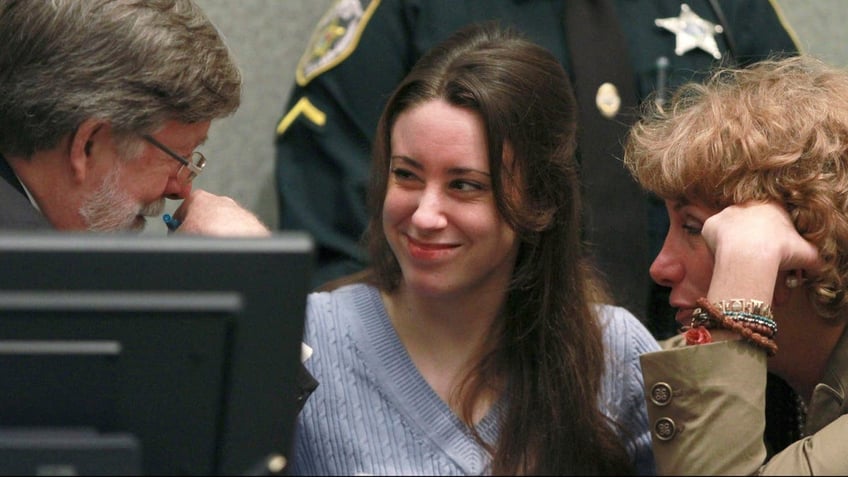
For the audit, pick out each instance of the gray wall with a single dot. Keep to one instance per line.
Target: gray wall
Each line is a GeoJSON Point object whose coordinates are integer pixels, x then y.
{"type": "Point", "coordinates": [269, 36]}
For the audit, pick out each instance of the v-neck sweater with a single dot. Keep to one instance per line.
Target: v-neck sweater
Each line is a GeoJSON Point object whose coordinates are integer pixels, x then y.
{"type": "Point", "coordinates": [374, 413]}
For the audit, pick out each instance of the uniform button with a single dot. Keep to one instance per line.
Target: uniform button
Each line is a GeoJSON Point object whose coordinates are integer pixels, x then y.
{"type": "Point", "coordinates": [661, 394]}
{"type": "Point", "coordinates": [664, 429]}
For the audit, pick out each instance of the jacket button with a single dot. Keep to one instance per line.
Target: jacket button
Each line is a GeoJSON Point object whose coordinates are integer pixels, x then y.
{"type": "Point", "coordinates": [661, 394]}
{"type": "Point", "coordinates": [664, 429]}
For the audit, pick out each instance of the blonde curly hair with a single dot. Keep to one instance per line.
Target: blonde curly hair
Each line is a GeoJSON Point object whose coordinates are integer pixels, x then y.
{"type": "Point", "coordinates": [775, 131]}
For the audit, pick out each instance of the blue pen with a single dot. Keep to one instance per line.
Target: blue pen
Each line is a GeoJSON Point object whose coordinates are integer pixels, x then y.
{"type": "Point", "coordinates": [171, 222]}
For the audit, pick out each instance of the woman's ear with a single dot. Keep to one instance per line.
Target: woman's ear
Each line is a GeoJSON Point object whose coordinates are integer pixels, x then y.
{"type": "Point", "coordinates": [81, 147]}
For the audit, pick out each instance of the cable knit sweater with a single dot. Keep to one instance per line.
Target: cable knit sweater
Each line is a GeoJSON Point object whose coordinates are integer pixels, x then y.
{"type": "Point", "coordinates": [374, 413]}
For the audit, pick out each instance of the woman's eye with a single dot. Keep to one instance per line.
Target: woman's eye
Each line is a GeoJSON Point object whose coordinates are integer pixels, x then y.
{"type": "Point", "coordinates": [463, 185]}
{"type": "Point", "coordinates": [402, 174]}
{"type": "Point", "coordinates": [692, 229]}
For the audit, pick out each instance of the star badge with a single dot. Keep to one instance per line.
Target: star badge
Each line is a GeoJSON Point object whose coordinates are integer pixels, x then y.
{"type": "Point", "coordinates": [691, 31]}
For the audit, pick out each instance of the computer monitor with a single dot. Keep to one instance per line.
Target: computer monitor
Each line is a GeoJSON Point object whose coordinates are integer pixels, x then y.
{"type": "Point", "coordinates": [152, 355]}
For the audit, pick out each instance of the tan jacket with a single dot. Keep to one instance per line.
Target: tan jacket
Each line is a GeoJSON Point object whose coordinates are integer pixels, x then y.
{"type": "Point", "coordinates": [706, 406]}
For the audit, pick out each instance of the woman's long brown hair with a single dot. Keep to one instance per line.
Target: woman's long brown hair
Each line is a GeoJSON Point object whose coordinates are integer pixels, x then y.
{"type": "Point", "coordinates": [545, 354]}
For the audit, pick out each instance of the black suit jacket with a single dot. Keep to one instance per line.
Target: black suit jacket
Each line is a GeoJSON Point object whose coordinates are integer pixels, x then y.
{"type": "Point", "coordinates": [16, 211]}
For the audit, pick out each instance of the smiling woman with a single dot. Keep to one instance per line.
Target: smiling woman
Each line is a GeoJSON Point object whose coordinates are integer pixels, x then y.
{"type": "Point", "coordinates": [479, 342]}
{"type": "Point", "coordinates": [440, 217]}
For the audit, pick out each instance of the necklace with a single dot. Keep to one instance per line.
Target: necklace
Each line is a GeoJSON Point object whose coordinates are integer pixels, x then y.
{"type": "Point", "coordinates": [801, 413]}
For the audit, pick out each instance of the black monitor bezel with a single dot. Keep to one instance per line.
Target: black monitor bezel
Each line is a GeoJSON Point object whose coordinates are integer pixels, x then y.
{"type": "Point", "coordinates": [265, 280]}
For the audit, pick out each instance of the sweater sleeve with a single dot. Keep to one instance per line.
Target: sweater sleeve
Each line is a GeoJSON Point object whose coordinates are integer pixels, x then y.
{"type": "Point", "coordinates": [626, 338]}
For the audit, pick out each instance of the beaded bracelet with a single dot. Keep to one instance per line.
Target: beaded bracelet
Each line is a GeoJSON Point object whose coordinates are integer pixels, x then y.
{"type": "Point", "coordinates": [754, 314]}
{"type": "Point", "coordinates": [701, 319]}
{"type": "Point", "coordinates": [709, 315]}
{"type": "Point", "coordinates": [761, 324]}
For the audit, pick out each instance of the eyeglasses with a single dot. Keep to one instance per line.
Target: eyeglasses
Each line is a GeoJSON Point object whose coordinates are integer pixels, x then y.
{"type": "Point", "coordinates": [191, 166]}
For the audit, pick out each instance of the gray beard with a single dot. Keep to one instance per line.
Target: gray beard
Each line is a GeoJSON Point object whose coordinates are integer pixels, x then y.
{"type": "Point", "coordinates": [110, 209]}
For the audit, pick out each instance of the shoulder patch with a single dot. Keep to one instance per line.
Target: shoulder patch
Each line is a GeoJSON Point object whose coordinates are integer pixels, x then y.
{"type": "Point", "coordinates": [335, 38]}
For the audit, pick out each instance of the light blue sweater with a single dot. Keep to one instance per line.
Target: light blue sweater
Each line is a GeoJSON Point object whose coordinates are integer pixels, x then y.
{"type": "Point", "coordinates": [373, 412]}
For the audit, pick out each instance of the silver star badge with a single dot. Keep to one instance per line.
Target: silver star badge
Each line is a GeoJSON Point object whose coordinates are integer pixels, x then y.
{"type": "Point", "coordinates": [691, 32]}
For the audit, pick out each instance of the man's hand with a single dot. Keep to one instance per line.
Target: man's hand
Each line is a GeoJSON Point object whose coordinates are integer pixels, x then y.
{"type": "Point", "coordinates": [204, 213]}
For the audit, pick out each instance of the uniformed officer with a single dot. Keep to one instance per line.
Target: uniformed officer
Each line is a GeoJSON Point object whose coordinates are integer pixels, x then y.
{"type": "Point", "coordinates": [618, 52]}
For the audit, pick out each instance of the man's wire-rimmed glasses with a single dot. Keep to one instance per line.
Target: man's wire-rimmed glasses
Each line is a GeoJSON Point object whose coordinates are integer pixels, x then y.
{"type": "Point", "coordinates": [191, 166]}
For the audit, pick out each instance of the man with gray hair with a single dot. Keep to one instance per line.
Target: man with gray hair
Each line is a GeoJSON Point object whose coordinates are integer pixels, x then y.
{"type": "Point", "coordinates": [102, 104]}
